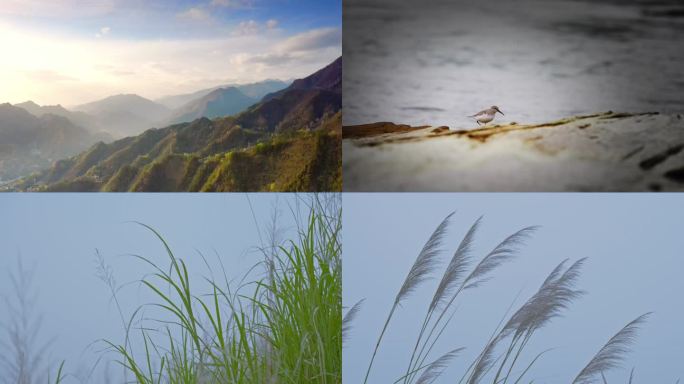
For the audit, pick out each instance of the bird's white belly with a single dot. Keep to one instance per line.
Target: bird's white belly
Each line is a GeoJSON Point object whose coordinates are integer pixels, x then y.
{"type": "Point", "coordinates": [484, 118]}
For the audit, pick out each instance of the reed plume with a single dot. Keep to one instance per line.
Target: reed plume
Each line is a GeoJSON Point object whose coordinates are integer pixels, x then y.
{"type": "Point", "coordinates": [423, 266]}
{"type": "Point", "coordinates": [349, 319]}
{"type": "Point", "coordinates": [504, 252]}
{"type": "Point", "coordinates": [612, 354]}
{"type": "Point", "coordinates": [554, 295]}
{"type": "Point", "coordinates": [426, 262]}
{"type": "Point", "coordinates": [456, 268]}
{"type": "Point", "coordinates": [436, 368]}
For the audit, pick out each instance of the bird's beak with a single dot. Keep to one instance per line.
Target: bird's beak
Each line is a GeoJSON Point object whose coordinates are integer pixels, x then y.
{"type": "Point", "coordinates": [500, 112]}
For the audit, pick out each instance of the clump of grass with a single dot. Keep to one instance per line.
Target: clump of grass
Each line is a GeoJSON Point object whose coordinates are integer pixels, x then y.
{"type": "Point", "coordinates": [283, 328]}
{"type": "Point", "coordinates": [500, 360]}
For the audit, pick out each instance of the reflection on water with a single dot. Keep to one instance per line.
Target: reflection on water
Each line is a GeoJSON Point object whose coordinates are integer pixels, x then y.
{"type": "Point", "coordinates": [435, 62]}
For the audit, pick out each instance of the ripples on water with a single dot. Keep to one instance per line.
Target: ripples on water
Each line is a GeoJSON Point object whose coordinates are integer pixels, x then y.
{"type": "Point", "coordinates": [435, 62]}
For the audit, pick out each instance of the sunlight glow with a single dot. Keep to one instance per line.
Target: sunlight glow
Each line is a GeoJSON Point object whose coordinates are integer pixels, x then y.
{"type": "Point", "coordinates": [72, 69]}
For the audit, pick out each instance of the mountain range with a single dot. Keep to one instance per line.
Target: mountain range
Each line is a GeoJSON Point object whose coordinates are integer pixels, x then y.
{"type": "Point", "coordinates": [125, 115]}
{"type": "Point", "coordinates": [328, 78]}
{"type": "Point", "coordinates": [291, 140]}
{"type": "Point", "coordinates": [29, 143]}
{"type": "Point", "coordinates": [23, 151]}
{"type": "Point", "coordinates": [253, 90]}
{"type": "Point", "coordinates": [78, 118]}
{"type": "Point", "coordinates": [130, 114]}
{"type": "Point", "coordinates": [219, 102]}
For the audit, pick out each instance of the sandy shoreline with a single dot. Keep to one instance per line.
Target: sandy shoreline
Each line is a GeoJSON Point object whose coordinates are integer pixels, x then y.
{"type": "Point", "coordinates": [597, 152]}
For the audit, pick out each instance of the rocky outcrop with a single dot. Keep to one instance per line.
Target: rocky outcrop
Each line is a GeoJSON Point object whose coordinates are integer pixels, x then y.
{"type": "Point", "coordinates": [599, 152]}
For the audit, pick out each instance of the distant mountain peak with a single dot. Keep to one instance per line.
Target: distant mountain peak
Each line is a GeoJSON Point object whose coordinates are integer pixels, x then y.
{"type": "Point", "coordinates": [224, 90]}
{"type": "Point", "coordinates": [14, 110]}
{"type": "Point", "coordinates": [224, 101]}
{"type": "Point", "coordinates": [328, 78]}
{"type": "Point", "coordinates": [125, 114]}
{"type": "Point", "coordinates": [28, 103]}
{"type": "Point", "coordinates": [255, 90]}
{"type": "Point", "coordinates": [131, 97]}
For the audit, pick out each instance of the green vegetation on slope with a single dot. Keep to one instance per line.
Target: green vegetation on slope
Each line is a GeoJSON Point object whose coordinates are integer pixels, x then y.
{"type": "Point", "coordinates": [304, 163]}
{"type": "Point", "coordinates": [212, 156]}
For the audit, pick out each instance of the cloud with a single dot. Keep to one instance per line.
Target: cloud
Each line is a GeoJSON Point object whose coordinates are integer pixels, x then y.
{"type": "Point", "coordinates": [103, 32]}
{"type": "Point", "coordinates": [311, 40]}
{"type": "Point", "coordinates": [236, 4]}
{"type": "Point", "coordinates": [82, 69]}
{"type": "Point", "coordinates": [47, 76]}
{"type": "Point", "coordinates": [271, 24]}
{"type": "Point", "coordinates": [249, 27]}
{"type": "Point", "coordinates": [271, 58]}
{"type": "Point", "coordinates": [57, 8]}
{"type": "Point", "coordinates": [303, 49]}
{"type": "Point", "coordinates": [123, 73]}
{"type": "Point", "coordinates": [195, 14]}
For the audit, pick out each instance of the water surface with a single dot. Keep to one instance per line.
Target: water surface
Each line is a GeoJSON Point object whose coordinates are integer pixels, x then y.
{"type": "Point", "coordinates": [436, 62]}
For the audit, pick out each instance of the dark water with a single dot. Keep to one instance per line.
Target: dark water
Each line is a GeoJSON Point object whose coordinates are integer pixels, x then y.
{"type": "Point", "coordinates": [435, 62]}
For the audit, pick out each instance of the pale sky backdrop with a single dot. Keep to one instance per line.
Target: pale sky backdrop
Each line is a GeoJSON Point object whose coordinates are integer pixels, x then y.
{"type": "Point", "coordinates": [635, 248]}
{"type": "Point", "coordinates": [74, 51]}
{"type": "Point", "coordinates": [56, 235]}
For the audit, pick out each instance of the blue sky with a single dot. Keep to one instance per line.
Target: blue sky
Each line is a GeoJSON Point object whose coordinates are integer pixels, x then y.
{"type": "Point", "coordinates": [164, 19]}
{"type": "Point", "coordinates": [71, 51]}
{"type": "Point", "coordinates": [635, 256]}
{"type": "Point", "coordinates": [57, 235]}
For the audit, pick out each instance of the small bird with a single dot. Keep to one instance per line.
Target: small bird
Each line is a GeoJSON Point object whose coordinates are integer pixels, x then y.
{"type": "Point", "coordinates": [486, 115]}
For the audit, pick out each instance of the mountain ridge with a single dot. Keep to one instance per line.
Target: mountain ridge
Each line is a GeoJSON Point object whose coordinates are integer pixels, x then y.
{"type": "Point", "coordinates": [29, 143]}
{"type": "Point", "coordinates": [328, 78]}
{"type": "Point", "coordinates": [125, 114]}
{"type": "Point", "coordinates": [256, 90]}
{"type": "Point", "coordinates": [82, 119]}
{"type": "Point", "coordinates": [289, 142]}
{"type": "Point", "coordinates": [219, 102]}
